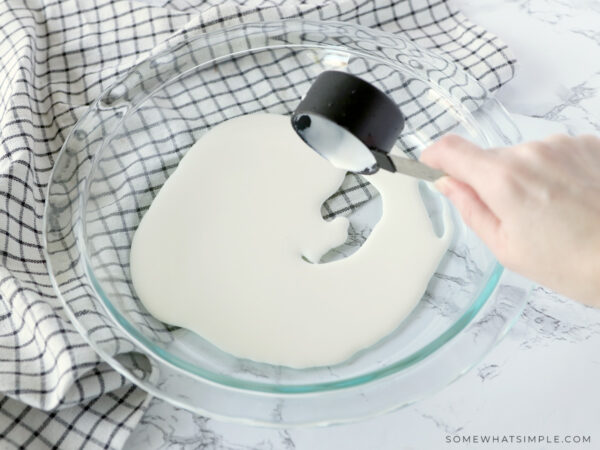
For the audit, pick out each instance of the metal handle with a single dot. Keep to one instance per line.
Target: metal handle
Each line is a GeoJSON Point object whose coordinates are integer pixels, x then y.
{"type": "Point", "coordinates": [415, 168]}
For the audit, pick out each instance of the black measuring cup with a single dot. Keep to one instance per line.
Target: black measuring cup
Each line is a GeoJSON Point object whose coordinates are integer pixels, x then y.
{"type": "Point", "coordinates": [354, 125]}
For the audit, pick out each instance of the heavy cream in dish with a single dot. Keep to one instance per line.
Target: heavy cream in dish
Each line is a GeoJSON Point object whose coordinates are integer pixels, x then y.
{"type": "Point", "coordinates": [223, 250]}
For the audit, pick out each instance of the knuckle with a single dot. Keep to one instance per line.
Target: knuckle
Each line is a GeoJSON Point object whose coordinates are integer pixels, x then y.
{"type": "Point", "coordinates": [560, 141]}
{"type": "Point", "coordinates": [559, 138]}
{"type": "Point", "coordinates": [535, 150]}
{"type": "Point", "coordinates": [522, 158]}
{"type": "Point", "coordinates": [590, 139]}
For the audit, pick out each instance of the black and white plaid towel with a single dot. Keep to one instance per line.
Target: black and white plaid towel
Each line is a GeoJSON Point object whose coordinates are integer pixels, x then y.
{"type": "Point", "coordinates": [56, 57]}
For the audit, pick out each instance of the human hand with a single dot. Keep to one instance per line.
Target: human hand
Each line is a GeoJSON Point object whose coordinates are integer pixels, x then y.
{"type": "Point", "coordinates": [535, 205]}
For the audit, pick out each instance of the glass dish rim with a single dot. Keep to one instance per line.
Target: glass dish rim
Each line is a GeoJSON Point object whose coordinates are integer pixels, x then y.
{"type": "Point", "coordinates": [448, 334]}
{"type": "Point", "coordinates": [230, 382]}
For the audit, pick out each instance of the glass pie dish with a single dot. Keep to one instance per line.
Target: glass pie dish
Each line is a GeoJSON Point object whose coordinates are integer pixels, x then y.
{"type": "Point", "coordinates": [118, 156]}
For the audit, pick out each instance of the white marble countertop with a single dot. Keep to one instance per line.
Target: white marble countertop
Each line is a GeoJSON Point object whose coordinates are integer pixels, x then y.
{"type": "Point", "coordinates": [543, 377]}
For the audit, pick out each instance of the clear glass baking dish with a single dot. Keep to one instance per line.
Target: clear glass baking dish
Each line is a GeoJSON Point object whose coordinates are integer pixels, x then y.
{"type": "Point", "coordinates": [119, 154]}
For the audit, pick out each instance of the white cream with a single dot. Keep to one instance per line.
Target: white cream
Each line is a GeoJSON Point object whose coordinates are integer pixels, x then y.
{"type": "Point", "coordinates": [220, 250]}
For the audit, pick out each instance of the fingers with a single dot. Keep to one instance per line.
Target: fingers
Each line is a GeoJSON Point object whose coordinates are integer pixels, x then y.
{"type": "Point", "coordinates": [473, 211]}
{"type": "Point", "coordinates": [485, 171]}
{"type": "Point", "coordinates": [460, 159]}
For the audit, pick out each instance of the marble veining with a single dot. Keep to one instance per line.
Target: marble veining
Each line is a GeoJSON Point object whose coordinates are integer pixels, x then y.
{"type": "Point", "coordinates": [542, 378]}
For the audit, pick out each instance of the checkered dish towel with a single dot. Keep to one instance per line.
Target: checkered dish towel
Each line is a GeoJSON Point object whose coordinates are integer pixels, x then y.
{"type": "Point", "coordinates": [56, 57]}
